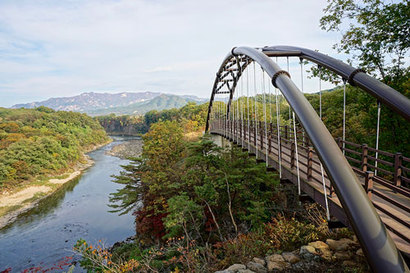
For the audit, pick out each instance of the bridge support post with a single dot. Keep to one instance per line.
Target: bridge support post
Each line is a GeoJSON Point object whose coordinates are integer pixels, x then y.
{"type": "Point", "coordinates": [309, 163]}
{"type": "Point", "coordinates": [292, 154]}
{"type": "Point", "coordinates": [255, 139]}
{"type": "Point", "coordinates": [397, 169]}
{"type": "Point", "coordinates": [261, 134]}
{"type": "Point", "coordinates": [365, 153]}
{"type": "Point", "coordinates": [339, 143]}
{"type": "Point", "coordinates": [270, 138]}
{"type": "Point", "coordinates": [368, 183]}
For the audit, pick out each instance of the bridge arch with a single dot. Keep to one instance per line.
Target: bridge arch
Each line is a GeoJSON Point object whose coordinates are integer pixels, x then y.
{"type": "Point", "coordinates": [379, 248]}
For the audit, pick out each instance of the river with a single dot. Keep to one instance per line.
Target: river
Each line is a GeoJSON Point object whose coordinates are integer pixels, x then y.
{"type": "Point", "coordinates": [46, 234]}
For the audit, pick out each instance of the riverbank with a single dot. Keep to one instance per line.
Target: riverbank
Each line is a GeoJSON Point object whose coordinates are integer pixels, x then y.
{"type": "Point", "coordinates": [13, 204]}
{"type": "Point", "coordinates": [130, 148]}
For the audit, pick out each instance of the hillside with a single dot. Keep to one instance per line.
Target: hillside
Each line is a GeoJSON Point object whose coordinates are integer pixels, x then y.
{"type": "Point", "coordinates": [161, 102]}
{"type": "Point", "coordinates": [120, 103]}
{"type": "Point", "coordinates": [41, 141]}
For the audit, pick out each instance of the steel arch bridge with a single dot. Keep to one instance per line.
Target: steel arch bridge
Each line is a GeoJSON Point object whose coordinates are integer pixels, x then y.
{"type": "Point", "coordinates": [317, 147]}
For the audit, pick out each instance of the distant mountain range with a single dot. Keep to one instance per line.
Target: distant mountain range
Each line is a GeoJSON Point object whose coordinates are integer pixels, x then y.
{"type": "Point", "coordinates": [120, 103]}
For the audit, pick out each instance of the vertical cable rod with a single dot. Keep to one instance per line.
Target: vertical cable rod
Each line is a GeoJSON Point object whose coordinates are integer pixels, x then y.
{"type": "Point", "coordinates": [247, 102]}
{"type": "Point", "coordinates": [296, 151]}
{"type": "Point", "coordinates": [264, 111]}
{"type": "Point", "coordinates": [344, 116]}
{"type": "Point", "coordinates": [321, 165]}
{"type": "Point", "coordinates": [238, 117]}
{"type": "Point", "coordinates": [256, 110]}
{"type": "Point", "coordinates": [278, 130]}
{"type": "Point", "coordinates": [320, 91]}
{"type": "Point", "coordinates": [377, 137]}
{"type": "Point", "coordinates": [288, 68]}
{"type": "Point", "coordinates": [241, 103]}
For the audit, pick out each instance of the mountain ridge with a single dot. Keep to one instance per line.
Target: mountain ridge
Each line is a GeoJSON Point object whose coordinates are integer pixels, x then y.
{"type": "Point", "coordinates": [94, 103]}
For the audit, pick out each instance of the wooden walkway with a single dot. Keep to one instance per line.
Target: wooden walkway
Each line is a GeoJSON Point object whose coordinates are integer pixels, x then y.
{"type": "Point", "coordinates": [389, 197]}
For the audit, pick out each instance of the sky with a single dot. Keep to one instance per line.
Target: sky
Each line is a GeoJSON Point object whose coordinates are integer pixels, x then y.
{"type": "Point", "coordinates": [62, 48]}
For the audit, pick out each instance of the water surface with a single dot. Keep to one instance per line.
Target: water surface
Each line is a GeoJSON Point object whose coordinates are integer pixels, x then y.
{"type": "Point", "coordinates": [46, 234]}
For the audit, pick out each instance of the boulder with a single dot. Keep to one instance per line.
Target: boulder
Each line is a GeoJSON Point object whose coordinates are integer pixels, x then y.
{"type": "Point", "coordinates": [235, 267]}
{"type": "Point", "coordinates": [308, 252]}
{"type": "Point", "coordinates": [245, 271]}
{"type": "Point", "coordinates": [276, 262]}
{"type": "Point", "coordinates": [342, 255]}
{"type": "Point", "coordinates": [319, 245]}
{"type": "Point", "coordinates": [326, 254]}
{"type": "Point", "coordinates": [340, 245]}
{"type": "Point", "coordinates": [256, 267]}
{"type": "Point", "coordinates": [349, 241]}
{"type": "Point", "coordinates": [259, 261]}
{"type": "Point", "coordinates": [274, 258]}
{"type": "Point", "coordinates": [290, 257]}
{"type": "Point", "coordinates": [280, 266]}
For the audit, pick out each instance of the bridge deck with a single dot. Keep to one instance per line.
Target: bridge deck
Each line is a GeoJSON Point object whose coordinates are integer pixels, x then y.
{"type": "Point", "coordinates": [391, 202]}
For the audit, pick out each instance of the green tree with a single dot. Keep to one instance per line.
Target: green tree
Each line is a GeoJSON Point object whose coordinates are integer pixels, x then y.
{"type": "Point", "coordinates": [376, 32]}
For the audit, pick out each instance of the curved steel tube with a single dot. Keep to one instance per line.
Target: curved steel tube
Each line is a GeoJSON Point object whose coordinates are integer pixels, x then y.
{"type": "Point", "coordinates": [378, 246]}
{"type": "Point", "coordinates": [387, 95]}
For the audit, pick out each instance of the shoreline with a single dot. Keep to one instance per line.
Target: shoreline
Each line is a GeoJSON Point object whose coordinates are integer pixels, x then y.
{"type": "Point", "coordinates": [22, 198]}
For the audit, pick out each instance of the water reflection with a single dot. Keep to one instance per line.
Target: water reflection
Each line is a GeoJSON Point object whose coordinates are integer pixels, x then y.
{"type": "Point", "coordinates": [45, 207]}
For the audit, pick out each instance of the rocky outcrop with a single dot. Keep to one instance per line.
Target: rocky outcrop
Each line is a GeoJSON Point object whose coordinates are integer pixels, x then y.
{"type": "Point", "coordinates": [314, 257]}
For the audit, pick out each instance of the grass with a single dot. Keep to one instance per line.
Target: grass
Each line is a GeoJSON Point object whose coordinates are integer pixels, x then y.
{"type": "Point", "coordinates": [7, 209]}
{"type": "Point", "coordinates": [36, 197]}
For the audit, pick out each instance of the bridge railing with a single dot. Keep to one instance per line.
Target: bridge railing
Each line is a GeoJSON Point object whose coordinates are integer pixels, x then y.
{"type": "Point", "coordinates": [253, 133]}
{"type": "Point", "coordinates": [390, 169]}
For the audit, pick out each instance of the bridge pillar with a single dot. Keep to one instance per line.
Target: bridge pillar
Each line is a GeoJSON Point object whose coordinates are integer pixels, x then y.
{"type": "Point", "coordinates": [365, 153]}
{"type": "Point", "coordinates": [309, 163]}
{"type": "Point", "coordinates": [397, 169]}
{"type": "Point", "coordinates": [368, 183]}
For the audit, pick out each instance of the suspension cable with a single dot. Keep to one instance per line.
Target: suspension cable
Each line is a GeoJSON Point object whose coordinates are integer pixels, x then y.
{"type": "Point", "coordinates": [320, 91]}
{"type": "Point", "coordinates": [264, 111]}
{"type": "Point", "coordinates": [237, 120]}
{"type": "Point", "coordinates": [247, 102]}
{"type": "Point", "coordinates": [218, 116]}
{"type": "Point", "coordinates": [256, 110]}
{"type": "Point", "coordinates": [288, 68]}
{"type": "Point", "coordinates": [270, 103]}
{"type": "Point", "coordinates": [241, 103]}
{"type": "Point", "coordinates": [377, 136]}
{"type": "Point", "coordinates": [321, 165]}
{"type": "Point", "coordinates": [344, 116]}
{"type": "Point", "coordinates": [278, 131]}
{"type": "Point", "coordinates": [296, 151]}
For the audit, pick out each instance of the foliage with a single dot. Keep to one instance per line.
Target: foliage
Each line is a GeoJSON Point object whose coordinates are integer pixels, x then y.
{"type": "Point", "coordinates": [197, 190]}
{"type": "Point", "coordinates": [42, 141]}
{"type": "Point", "coordinates": [361, 119]}
{"type": "Point", "coordinates": [191, 117]}
{"type": "Point", "coordinates": [178, 254]}
{"type": "Point", "coordinates": [375, 31]}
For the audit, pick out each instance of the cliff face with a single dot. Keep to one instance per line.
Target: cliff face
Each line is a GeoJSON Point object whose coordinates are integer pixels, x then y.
{"type": "Point", "coordinates": [124, 126]}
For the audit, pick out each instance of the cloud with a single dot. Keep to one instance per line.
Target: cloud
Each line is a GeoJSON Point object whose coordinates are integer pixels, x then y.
{"type": "Point", "coordinates": [53, 48]}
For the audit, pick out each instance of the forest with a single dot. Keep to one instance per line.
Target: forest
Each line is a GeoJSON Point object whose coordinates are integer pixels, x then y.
{"type": "Point", "coordinates": [192, 116]}
{"type": "Point", "coordinates": [42, 141]}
